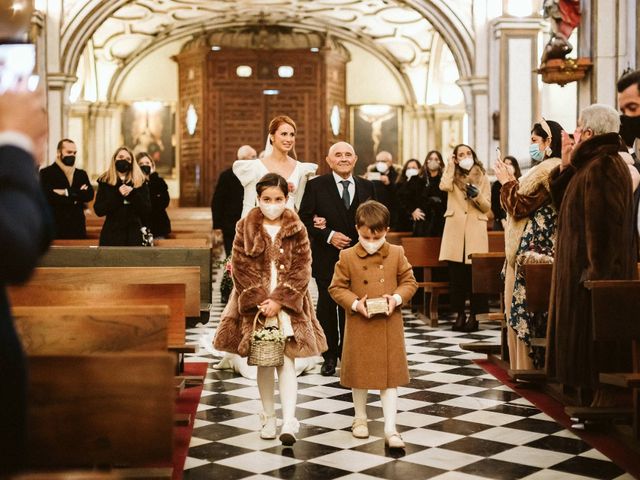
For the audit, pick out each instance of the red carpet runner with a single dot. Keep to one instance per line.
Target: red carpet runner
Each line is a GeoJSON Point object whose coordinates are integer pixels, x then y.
{"type": "Point", "coordinates": [187, 402]}
{"type": "Point", "coordinates": [615, 449]}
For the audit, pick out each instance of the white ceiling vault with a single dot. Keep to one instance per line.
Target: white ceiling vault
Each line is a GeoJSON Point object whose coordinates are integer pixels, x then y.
{"type": "Point", "coordinates": [110, 36]}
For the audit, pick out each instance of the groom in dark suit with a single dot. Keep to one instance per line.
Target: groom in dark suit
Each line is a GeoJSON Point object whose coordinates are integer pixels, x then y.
{"type": "Point", "coordinates": [333, 197]}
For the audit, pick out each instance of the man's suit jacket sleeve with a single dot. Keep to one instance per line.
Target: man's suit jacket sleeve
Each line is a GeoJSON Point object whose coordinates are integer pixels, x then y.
{"type": "Point", "coordinates": [217, 201]}
{"type": "Point", "coordinates": [309, 208]}
{"type": "Point", "coordinates": [25, 223]}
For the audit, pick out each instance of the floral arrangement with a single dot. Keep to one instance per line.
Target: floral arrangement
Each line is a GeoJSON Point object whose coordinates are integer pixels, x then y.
{"type": "Point", "coordinates": [269, 334]}
{"type": "Point", "coordinates": [226, 284]}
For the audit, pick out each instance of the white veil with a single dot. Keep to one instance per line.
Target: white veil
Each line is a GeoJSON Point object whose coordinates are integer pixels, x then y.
{"type": "Point", "coordinates": [268, 148]}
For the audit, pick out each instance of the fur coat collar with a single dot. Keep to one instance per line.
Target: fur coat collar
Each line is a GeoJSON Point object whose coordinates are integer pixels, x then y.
{"type": "Point", "coordinates": [529, 184]}
{"type": "Point", "coordinates": [255, 237]}
{"type": "Point", "coordinates": [608, 144]}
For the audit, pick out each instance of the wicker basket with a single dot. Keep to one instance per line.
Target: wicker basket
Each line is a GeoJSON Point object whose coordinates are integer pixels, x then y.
{"type": "Point", "coordinates": [265, 353]}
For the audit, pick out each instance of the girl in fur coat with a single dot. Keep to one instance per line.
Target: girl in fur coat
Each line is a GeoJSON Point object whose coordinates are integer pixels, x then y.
{"type": "Point", "coordinates": [271, 268]}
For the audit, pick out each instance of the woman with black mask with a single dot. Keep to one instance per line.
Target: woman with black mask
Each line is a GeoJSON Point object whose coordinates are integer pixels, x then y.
{"type": "Point", "coordinates": [158, 221]}
{"type": "Point", "coordinates": [123, 196]}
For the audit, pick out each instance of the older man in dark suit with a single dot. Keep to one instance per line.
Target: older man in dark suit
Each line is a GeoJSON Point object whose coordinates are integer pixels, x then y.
{"type": "Point", "coordinates": [335, 198]}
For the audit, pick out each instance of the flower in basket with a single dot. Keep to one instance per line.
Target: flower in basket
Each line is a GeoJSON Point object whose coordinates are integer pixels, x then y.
{"type": "Point", "coordinates": [270, 334]}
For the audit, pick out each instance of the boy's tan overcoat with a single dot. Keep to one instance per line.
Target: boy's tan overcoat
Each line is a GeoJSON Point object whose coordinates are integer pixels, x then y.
{"type": "Point", "coordinates": [373, 352]}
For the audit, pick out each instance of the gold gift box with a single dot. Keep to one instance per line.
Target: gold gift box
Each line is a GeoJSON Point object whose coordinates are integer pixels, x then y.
{"type": "Point", "coordinates": [377, 305]}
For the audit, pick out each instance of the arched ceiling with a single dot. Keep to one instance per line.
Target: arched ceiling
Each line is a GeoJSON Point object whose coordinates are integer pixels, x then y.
{"type": "Point", "coordinates": [400, 32]}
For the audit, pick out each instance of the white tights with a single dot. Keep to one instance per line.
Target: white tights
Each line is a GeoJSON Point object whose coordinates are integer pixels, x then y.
{"type": "Point", "coordinates": [389, 399]}
{"type": "Point", "coordinates": [287, 384]}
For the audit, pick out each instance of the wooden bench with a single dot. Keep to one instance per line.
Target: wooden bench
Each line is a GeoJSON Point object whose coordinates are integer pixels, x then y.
{"type": "Point", "coordinates": [81, 415]}
{"type": "Point", "coordinates": [485, 279]}
{"type": "Point", "coordinates": [160, 242]}
{"type": "Point", "coordinates": [538, 278]}
{"type": "Point", "coordinates": [79, 330]}
{"type": "Point", "coordinates": [395, 238]}
{"type": "Point", "coordinates": [496, 241]}
{"type": "Point", "coordinates": [190, 276]}
{"type": "Point", "coordinates": [615, 306]}
{"type": "Point", "coordinates": [47, 288]}
{"type": "Point", "coordinates": [423, 252]}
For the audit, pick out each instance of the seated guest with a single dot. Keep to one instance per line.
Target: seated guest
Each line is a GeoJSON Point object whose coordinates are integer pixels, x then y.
{"type": "Point", "coordinates": [123, 196]}
{"type": "Point", "coordinates": [158, 221]}
{"type": "Point", "coordinates": [499, 215]}
{"type": "Point", "coordinates": [592, 191]}
{"type": "Point", "coordinates": [67, 189]}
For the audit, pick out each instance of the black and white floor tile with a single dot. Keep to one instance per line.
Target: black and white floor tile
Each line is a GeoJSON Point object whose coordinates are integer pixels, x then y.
{"type": "Point", "coordinates": [459, 423]}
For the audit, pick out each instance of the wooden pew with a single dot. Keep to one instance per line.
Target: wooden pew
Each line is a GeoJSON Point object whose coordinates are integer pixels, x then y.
{"type": "Point", "coordinates": [82, 415]}
{"type": "Point", "coordinates": [616, 318]}
{"type": "Point", "coordinates": [423, 252]}
{"type": "Point", "coordinates": [538, 280]}
{"type": "Point", "coordinates": [496, 241]}
{"type": "Point", "coordinates": [55, 330]}
{"type": "Point", "coordinates": [187, 275]}
{"type": "Point", "coordinates": [395, 238]}
{"type": "Point", "coordinates": [55, 287]}
{"type": "Point", "coordinates": [485, 279]}
{"type": "Point", "coordinates": [159, 242]}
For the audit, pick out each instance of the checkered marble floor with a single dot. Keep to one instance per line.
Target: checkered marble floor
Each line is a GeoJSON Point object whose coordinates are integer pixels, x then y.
{"type": "Point", "coordinates": [459, 423]}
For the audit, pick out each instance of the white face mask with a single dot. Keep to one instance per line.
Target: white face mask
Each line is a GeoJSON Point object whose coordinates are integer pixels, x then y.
{"type": "Point", "coordinates": [381, 167]}
{"type": "Point", "coordinates": [372, 247]}
{"type": "Point", "coordinates": [411, 172]}
{"type": "Point", "coordinates": [433, 165]}
{"type": "Point", "coordinates": [272, 210]}
{"type": "Point", "coordinates": [466, 164]}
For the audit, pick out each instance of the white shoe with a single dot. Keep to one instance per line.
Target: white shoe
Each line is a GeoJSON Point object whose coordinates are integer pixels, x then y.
{"type": "Point", "coordinates": [359, 428]}
{"type": "Point", "coordinates": [288, 432]}
{"type": "Point", "coordinates": [268, 422]}
{"type": "Point", "coordinates": [393, 440]}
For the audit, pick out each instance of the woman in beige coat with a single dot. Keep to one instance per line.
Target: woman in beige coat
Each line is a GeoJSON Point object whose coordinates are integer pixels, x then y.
{"type": "Point", "coordinates": [465, 229]}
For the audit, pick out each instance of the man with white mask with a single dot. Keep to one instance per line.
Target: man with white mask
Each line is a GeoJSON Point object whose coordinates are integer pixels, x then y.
{"type": "Point", "coordinates": [384, 180]}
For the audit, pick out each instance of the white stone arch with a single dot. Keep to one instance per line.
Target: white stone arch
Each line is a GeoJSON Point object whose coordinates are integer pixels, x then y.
{"type": "Point", "coordinates": [86, 20]}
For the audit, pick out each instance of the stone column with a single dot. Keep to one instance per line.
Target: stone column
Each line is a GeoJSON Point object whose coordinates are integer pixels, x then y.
{"type": "Point", "coordinates": [517, 48]}
{"type": "Point", "coordinates": [608, 34]}
{"type": "Point", "coordinates": [476, 93]}
{"type": "Point", "coordinates": [418, 132]}
{"type": "Point", "coordinates": [104, 132]}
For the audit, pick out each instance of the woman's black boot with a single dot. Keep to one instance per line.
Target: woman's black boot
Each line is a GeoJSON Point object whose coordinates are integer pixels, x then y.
{"type": "Point", "coordinates": [472, 324]}
{"type": "Point", "coordinates": [459, 324]}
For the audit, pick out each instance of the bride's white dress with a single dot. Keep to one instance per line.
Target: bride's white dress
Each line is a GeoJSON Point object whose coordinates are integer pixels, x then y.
{"type": "Point", "coordinates": [249, 172]}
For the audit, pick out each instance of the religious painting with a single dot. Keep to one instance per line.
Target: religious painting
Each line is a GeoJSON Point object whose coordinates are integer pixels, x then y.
{"type": "Point", "coordinates": [375, 128]}
{"type": "Point", "coordinates": [149, 127]}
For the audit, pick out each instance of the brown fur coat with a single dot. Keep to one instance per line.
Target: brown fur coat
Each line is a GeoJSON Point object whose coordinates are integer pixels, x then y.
{"type": "Point", "coordinates": [594, 242]}
{"type": "Point", "coordinates": [251, 259]}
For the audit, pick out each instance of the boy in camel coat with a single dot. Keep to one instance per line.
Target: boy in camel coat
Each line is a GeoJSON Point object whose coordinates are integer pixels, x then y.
{"type": "Point", "coordinates": [374, 355]}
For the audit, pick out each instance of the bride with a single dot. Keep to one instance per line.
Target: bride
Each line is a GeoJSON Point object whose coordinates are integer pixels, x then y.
{"type": "Point", "coordinates": [280, 158]}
